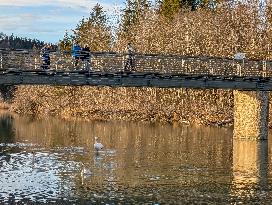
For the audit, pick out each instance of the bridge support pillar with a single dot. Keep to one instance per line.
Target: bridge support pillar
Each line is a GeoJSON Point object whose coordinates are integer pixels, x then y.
{"type": "Point", "coordinates": [251, 109]}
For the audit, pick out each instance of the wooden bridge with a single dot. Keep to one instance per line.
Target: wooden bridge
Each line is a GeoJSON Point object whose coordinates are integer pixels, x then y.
{"type": "Point", "coordinates": [249, 79]}
{"type": "Point", "coordinates": [22, 67]}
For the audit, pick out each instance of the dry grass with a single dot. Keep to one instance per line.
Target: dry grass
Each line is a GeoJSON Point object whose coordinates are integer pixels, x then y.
{"type": "Point", "coordinates": [223, 32]}
{"type": "Point", "coordinates": [134, 104]}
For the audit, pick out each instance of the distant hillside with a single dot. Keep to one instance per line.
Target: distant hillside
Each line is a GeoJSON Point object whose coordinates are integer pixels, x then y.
{"type": "Point", "coordinates": [14, 42]}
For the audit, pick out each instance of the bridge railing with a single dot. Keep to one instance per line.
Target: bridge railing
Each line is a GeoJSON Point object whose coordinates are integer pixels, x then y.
{"type": "Point", "coordinates": [149, 63]}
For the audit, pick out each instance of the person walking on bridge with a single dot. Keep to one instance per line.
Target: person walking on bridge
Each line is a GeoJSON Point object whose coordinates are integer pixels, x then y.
{"type": "Point", "coordinates": [45, 56]}
{"type": "Point", "coordinates": [85, 57]}
{"type": "Point", "coordinates": [130, 58]}
{"type": "Point", "coordinates": [76, 50]}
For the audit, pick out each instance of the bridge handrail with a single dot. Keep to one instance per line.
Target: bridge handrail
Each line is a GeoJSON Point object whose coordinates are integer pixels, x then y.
{"type": "Point", "coordinates": [141, 55]}
{"type": "Point", "coordinates": [115, 61]}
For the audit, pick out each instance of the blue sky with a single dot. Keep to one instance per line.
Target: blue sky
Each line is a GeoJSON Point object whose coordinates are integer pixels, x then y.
{"type": "Point", "coordinates": [47, 20]}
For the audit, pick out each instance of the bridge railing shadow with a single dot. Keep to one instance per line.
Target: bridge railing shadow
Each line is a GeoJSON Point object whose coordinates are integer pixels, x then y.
{"type": "Point", "coordinates": [148, 63]}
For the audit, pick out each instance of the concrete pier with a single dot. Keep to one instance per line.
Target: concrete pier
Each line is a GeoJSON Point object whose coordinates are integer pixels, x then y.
{"type": "Point", "coordinates": [251, 110]}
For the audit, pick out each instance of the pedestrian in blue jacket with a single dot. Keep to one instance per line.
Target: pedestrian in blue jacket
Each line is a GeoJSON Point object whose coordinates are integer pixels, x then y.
{"type": "Point", "coordinates": [76, 50]}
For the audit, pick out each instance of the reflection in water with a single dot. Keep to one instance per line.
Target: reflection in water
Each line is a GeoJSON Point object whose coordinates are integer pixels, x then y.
{"type": "Point", "coordinates": [250, 169]}
{"type": "Point", "coordinates": [53, 161]}
{"type": "Point", "coordinates": [7, 131]}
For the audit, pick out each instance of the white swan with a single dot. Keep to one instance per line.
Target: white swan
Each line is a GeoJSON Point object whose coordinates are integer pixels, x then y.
{"type": "Point", "coordinates": [97, 145]}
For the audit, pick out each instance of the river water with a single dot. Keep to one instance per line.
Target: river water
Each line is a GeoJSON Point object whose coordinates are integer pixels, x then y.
{"type": "Point", "coordinates": [53, 161]}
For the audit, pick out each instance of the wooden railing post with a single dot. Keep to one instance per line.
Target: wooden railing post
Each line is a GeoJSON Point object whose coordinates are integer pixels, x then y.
{"type": "Point", "coordinates": [264, 69]}
{"type": "Point", "coordinates": [211, 69]}
{"type": "Point", "coordinates": [1, 60]}
{"type": "Point", "coordinates": [238, 69]}
{"type": "Point", "coordinates": [35, 63]}
{"type": "Point", "coordinates": [182, 64]}
{"type": "Point", "coordinates": [57, 61]}
{"type": "Point", "coordinates": [90, 63]}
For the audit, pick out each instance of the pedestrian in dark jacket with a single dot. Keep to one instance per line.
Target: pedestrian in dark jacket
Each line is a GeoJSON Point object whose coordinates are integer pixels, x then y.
{"type": "Point", "coordinates": [45, 56]}
{"type": "Point", "coordinates": [85, 56]}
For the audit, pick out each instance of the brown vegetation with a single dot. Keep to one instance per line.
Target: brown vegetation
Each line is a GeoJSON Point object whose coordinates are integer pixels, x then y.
{"type": "Point", "coordinates": [134, 104]}
{"type": "Point", "coordinates": [221, 32]}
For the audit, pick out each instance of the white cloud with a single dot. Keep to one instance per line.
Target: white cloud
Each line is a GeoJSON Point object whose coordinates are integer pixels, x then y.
{"type": "Point", "coordinates": [77, 4]}
{"type": "Point", "coordinates": [17, 21]}
{"type": "Point", "coordinates": [34, 22]}
{"type": "Point", "coordinates": [47, 17]}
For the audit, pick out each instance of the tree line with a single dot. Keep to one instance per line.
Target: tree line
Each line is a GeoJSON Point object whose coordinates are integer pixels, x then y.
{"type": "Point", "coordinates": [15, 42]}
{"type": "Point", "coordinates": [185, 27]}
{"type": "Point", "coordinates": [95, 29]}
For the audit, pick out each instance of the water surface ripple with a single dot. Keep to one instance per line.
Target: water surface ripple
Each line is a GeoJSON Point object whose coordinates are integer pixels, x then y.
{"type": "Point", "coordinates": [52, 161]}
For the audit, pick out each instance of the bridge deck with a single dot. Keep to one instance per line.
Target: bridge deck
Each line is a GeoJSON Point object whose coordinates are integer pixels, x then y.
{"type": "Point", "coordinates": [132, 79]}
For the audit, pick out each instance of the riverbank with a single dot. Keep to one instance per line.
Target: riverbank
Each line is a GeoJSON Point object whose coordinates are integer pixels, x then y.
{"type": "Point", "coordinates": [191, 106]}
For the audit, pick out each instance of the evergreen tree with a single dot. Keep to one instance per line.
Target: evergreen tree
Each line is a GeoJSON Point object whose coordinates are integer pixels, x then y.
{"type": "Point", "coordinates": [133, 11]}
{"type": "Point", "coordinates": [98, 16]}
{"type": "Point", "coordinates": [169, 8]}
{"type": "Point", "coordinates": [66, 42]}
{"type": "Point", "coordinates": [94, 30]}
{"type": "Point", "coordinates": [15, 42]}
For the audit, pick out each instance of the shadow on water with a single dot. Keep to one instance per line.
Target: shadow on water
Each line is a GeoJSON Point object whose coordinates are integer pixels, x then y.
{"type": "Point", "coordinates": [7, 132]}
{"type": "Point", "coordinates": [53, 161]}
{"type": "Point", "coordinates": [7, 135]}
